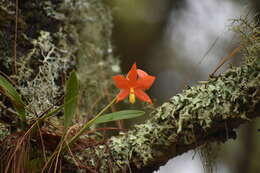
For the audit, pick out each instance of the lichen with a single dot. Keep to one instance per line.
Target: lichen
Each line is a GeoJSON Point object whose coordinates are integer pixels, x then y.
{"type": "Point", "coordinates": [67, 35]}
{"type": "Point", "coordinates": [177, 124]}
{"type": "Point", "coordinates": [41, 89]}
{"type": "Point", "coordinates": [92, 26]}
{"type": "Point", "coordinates": [41, 59]}
{"type": "Point", "coordinates": [3, 131]}
{"type": "Point", "coordinates": [225, 97]}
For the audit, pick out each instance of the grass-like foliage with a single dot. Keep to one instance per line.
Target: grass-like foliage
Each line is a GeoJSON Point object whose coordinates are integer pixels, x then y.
{"type": "Point", "coordinates": [9, 90]}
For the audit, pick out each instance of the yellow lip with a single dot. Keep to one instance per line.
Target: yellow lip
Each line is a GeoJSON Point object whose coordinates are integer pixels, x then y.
{"type": "Point", "coordinates": [132, 95]}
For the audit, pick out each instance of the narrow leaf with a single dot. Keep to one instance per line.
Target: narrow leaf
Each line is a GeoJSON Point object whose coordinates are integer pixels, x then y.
{"type": "Point", "coordinates": [120, 115]}
{"type": "Point", "coordinates": [71, 97]}
{"type": "Point", "coordinates": [8, 90]}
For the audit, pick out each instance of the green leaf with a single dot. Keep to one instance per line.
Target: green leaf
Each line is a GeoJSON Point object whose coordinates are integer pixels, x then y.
{"type": "Point", "coordinates": [120, 115]}
{"type": "Point", "coordinates": [8, 90]}
{"type": "Point", "coordinates": [71, 97]}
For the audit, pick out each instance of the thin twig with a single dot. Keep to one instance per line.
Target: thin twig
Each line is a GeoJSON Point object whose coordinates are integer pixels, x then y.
{"type": "Point", "coordinates": [90, 111]}
{"type": "Point", "coordinates": [13, 155]}
{"type": "Point", "coordinates": [63, 140]}
{"type": "Point", "coordinates": [77, 161]}
{"type": "Point", "coordinates": [42, 142]}
{"type": "Point", "coordinates": [208, 51]}
{"type": "Point", "coordinates": [227, 58]}
{"type": "Point", "coordinates": [186, 77]}
{"type": "Point", "coordinates": [72, 156]}
{"type": "Point", "coordinates": [49, 108]}
{"type": "Point", "coordinates": [15, 35]}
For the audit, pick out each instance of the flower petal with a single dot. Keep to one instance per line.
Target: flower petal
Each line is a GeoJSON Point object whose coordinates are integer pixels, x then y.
{"type": "Point", "coordinates": [142, 96]}
{"type": "Point", "coordinates": [121, 82]}
{"type": "Point", "coordinates": [122, 95]}
{"type": "Point", "coordinates": [145, 82]}
{"type": "Point", "coordinates": [141, 73]}
{"type": "Point", "coordinates": [132, 74]}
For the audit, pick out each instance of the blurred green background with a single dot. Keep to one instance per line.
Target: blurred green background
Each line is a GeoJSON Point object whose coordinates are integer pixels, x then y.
{"type": "Point", "coordinates": [181, 42]}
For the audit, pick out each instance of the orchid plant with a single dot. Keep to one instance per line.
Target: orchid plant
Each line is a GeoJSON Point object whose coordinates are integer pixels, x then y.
{"type": "Point", "coordinates": [134, 84]}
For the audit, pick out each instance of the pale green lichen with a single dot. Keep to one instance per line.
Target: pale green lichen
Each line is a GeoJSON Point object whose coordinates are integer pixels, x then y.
{"type": "Point", "coordinates": [59, 36]}
{"type": "Point", "coordinates": [95, 62]}
{"type": "Point", "coordinates": [41, 58]}
{"type": "Point", "coordinates": [3, 131]}
{"type": "Point", "coordinates": [42, 89]}
{"type": "Point", "coordinates": [74, 34]}
{"type": "Point", "coordinates": [222, 98]}
{"type": "Point", "coordinates": [230, 96]}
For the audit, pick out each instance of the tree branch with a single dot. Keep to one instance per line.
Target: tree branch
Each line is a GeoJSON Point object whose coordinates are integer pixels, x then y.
{"type": "Point", "coordinates": [204, 113]}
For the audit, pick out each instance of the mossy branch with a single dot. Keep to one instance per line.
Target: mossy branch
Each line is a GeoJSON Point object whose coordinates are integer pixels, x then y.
{"type": "Point", "coordinates": [208, 112]}
{"type": "Point", "coordinates": [201, 114]}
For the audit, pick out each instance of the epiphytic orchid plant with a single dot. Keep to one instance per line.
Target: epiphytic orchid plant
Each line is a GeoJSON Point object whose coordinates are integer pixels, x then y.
{"type": "Point", "coordinates": [133, 85]}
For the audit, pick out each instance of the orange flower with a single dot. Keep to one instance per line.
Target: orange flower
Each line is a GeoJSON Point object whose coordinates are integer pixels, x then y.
{"type": "Point", "coordinates": [134, 84]}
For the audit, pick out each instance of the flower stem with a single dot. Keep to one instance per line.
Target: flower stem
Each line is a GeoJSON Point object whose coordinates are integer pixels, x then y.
{"type": "Point", "coordinates": [89, 123]}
